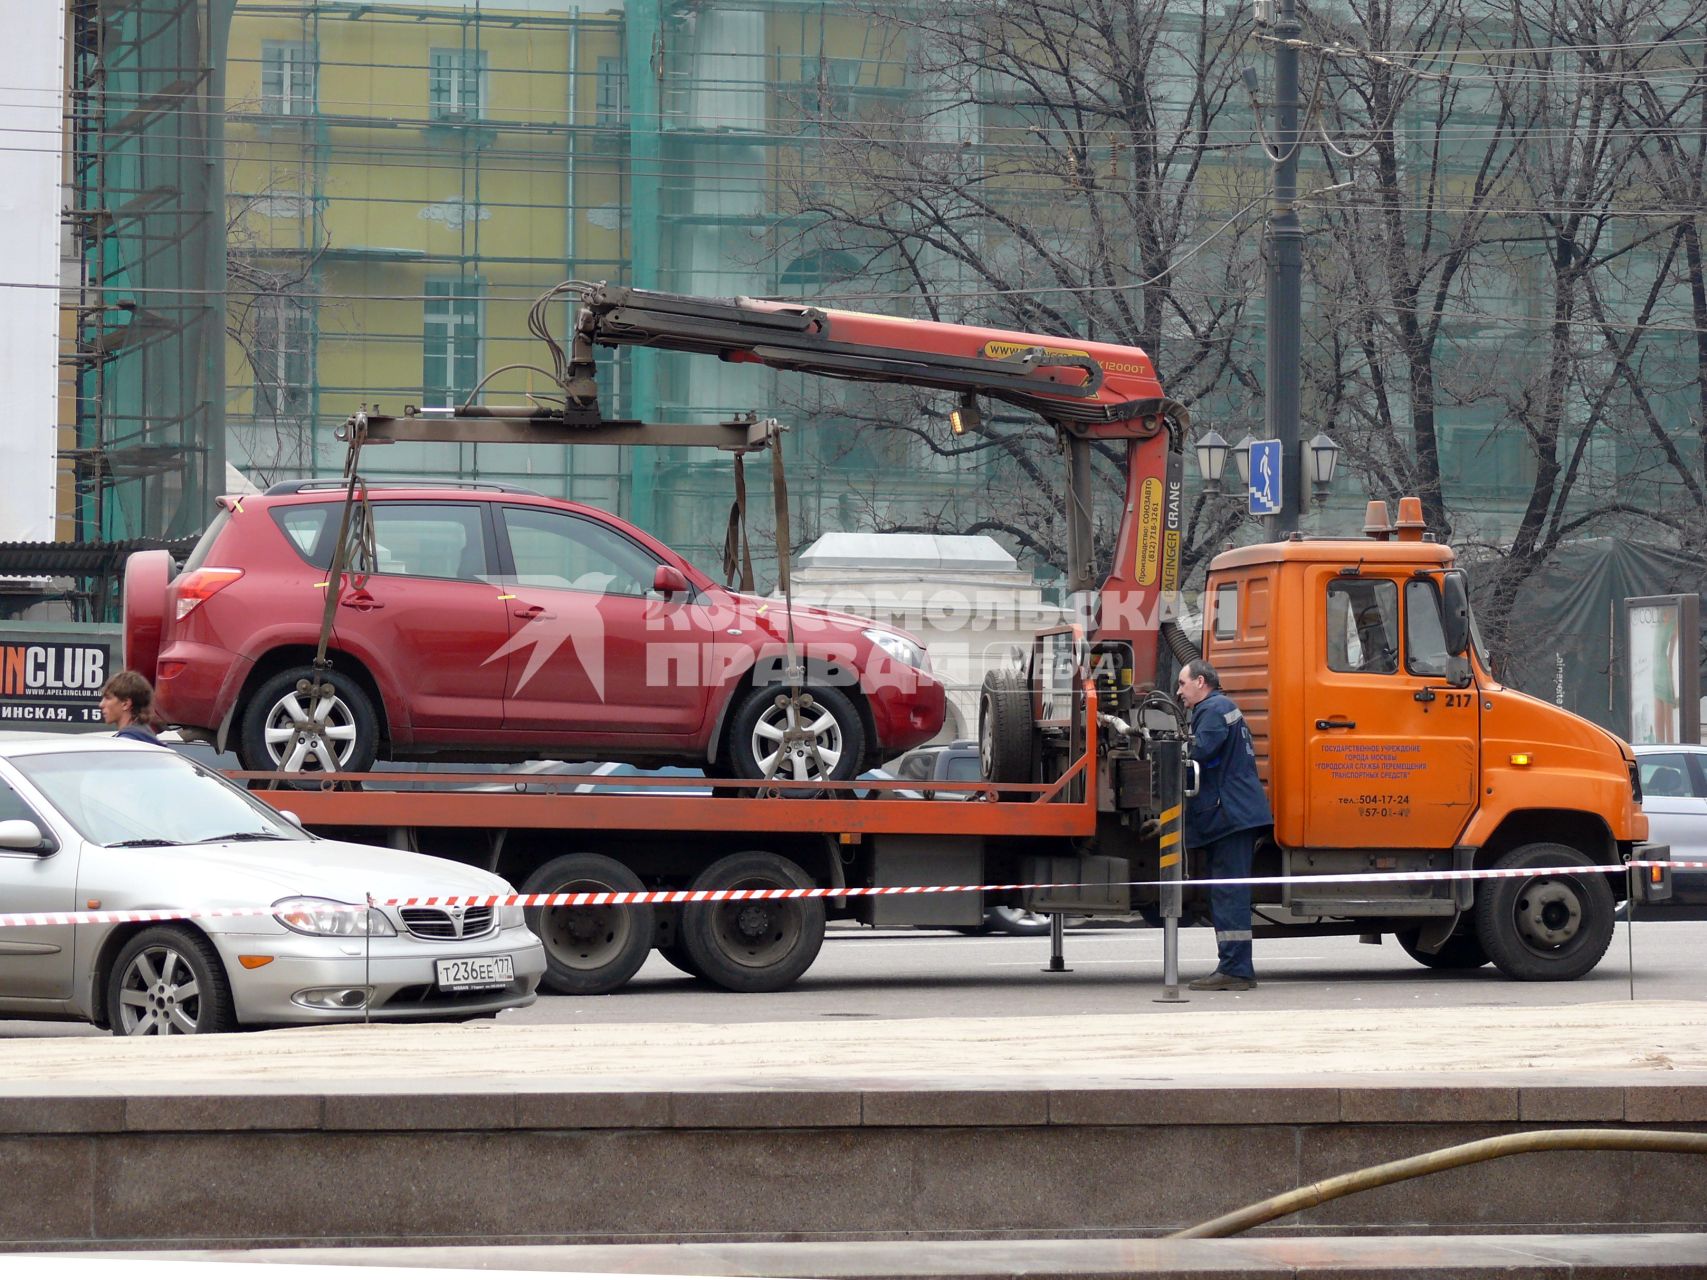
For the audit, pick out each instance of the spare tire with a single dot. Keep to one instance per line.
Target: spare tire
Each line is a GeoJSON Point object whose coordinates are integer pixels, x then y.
{"type": "Point", "coordinates": [146, 575]}
{"type": "Point", "coordinates": [1005, 727]}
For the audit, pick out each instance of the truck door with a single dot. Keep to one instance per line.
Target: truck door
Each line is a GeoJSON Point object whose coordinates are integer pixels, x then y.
{"type": "Point", "coordinates": [1391, 751]}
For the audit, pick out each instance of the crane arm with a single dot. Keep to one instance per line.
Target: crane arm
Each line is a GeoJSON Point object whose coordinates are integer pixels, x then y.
{"type": "Point", "coordinates": [1089, 391]}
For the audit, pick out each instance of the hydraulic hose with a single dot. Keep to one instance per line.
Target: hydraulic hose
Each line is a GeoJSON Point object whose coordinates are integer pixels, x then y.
{"type": "Point", "coordinates": [1179, 643]}
{"type": "Point", "coordinates": [1381, 1175]}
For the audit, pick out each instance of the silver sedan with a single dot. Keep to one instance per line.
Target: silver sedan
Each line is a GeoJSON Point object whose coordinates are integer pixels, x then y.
{"type": "Point", "coordinates": [98, 824]}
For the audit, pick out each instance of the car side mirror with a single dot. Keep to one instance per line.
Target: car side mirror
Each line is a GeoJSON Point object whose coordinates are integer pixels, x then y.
{"type": "Point", "coordinates": [1455, 611]}
{"type": "Point", "coordinates": [1458, 671]}
{"type": "Point", "coordinates": [669, 581]}
{"type": "Point", "coordinates": [290, 817]}
{"type": "Point", "coordinates": [21, 833]}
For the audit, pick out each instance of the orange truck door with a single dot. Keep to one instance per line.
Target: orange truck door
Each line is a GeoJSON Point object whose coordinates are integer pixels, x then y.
{"type": "Point", "coordinates": [1391, 751]}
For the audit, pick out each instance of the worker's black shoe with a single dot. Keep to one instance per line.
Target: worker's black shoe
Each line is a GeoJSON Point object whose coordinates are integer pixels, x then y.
{"type": "Point", "coordinates": [1219, 981]}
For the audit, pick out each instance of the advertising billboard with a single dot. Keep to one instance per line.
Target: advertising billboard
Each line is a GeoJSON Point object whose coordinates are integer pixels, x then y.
{"type": "Point", "coordinates": [1662, 664]}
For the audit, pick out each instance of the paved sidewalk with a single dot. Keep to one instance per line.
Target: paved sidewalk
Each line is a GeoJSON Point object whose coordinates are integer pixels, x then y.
{"type": "Point", "coordinates": [1640, 1042]}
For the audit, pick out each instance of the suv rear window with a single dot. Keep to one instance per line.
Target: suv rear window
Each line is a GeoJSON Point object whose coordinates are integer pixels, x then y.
{"type": "Point", "coordinates": [204, 544]}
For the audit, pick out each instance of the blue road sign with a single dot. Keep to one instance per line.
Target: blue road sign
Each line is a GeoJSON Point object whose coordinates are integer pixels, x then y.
{"type": "Point", "coordinates": [1265, 477]}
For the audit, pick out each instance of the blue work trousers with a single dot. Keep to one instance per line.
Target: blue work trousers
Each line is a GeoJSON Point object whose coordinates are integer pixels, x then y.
{"type": "Point", "coordinates": [1230, 904]}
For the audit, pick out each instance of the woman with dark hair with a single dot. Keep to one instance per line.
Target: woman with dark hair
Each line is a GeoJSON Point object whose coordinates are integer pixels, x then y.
{"type": "Point", "coordinates": [128, 702]}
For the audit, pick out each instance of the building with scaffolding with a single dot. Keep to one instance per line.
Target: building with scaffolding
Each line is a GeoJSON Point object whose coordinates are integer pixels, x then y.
{"type": "Point", "coordinates": [284, 209]}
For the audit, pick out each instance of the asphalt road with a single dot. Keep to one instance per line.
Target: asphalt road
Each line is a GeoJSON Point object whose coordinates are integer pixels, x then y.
{"type": "Point", "coordinates": [916, 973]}
{"type": "Point", "coordinates": [868, 974]}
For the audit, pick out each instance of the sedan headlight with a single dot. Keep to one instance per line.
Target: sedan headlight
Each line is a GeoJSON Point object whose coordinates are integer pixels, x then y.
{"type": "Point", "coordinates": [511, 917]}
{"type": "Point", "coordinates": [900, 648]}
{"type": "Point", "coordinates": [324, 918]}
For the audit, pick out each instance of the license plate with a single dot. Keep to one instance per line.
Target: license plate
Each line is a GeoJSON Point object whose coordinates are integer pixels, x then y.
{"type": "Point", "coordinates": [477, 973]}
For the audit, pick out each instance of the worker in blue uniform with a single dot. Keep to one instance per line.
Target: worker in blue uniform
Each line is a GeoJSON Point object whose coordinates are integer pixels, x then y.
{"type": "Point", "coordinates": [1223, 819]}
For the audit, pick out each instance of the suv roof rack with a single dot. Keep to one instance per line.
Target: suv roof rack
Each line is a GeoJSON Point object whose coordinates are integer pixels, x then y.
{"type": "Point", "coordinates": [310, 486]}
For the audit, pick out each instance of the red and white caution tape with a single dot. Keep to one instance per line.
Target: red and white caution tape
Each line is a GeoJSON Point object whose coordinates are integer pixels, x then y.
{"type": "Point", "coordinates": [674, 897]}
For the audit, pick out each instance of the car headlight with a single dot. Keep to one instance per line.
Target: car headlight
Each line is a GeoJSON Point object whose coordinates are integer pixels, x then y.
{"type": "Point", "coordinates": [511, 917]}
{"type": "Point", "coordinates": [324, 918]}
{"type": "Point", "coordinates": [900, 648]}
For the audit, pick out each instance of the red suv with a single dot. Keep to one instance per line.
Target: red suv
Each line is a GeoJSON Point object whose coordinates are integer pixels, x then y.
{"type": "Point", "coordinates": [483, 621]}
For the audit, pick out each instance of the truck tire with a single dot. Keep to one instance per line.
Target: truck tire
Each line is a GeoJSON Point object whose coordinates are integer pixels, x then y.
{"type": "Point", "coordinates": [589, 950]}
{"type": "Point", "coordinates": [1463, 950]}
{"type": "Point", "coordinates": [753, 945]}
{"type": "Point", "coordinates": [1005, 726]}
{"type": "Point", "coordinates": [1544, 928]}
{"type": "Point", "coordinates": [838, 736]}
{"type": "Point", "coordinates": [677, 957]}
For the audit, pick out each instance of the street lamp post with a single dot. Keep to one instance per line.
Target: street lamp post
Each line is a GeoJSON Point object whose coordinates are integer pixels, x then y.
{"type": "Point", "coordinates": [1284, 319]}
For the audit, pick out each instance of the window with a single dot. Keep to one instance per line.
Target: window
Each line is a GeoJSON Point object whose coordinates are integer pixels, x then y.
{"type": "Point", "coordinates": [1363, 626]}
{"type": "Point", "coordinates": [287, 79]}
{"type": "Point", "coordinates": [1664, 773]}
{"type": "Point", "coordinates": [611, 88]}
{"type": "Point", "coordinates": [305, 527]}
{"type": "Point", "coordinates": [282, 357]}
{"type": "Point", "coordinates": [556, 550]}
{"type": "Point", "coordinates": [13, 808]}
{"type": "Point", "coordinates": [425, 540]}
{"type": "Point", "coordinates": [1425, 638]}
{"type": "Point", "coordinates": [826, 91]}
{"type": "Point", "coordinates": [918, 767]}
{"type": "Point", "coordinates": [112, 796]}
{"type": "Point", "coordinates": [456, 84]}
{"type": "Point", "coordinates": [450, 341]}
{"type": "Point", "coordinates": [1226, 611]}
{"type": "Point", "coordinates": [964, 769]}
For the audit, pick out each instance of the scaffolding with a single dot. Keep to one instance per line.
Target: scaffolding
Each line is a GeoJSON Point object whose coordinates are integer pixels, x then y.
{"type": "Point", "coordinates": [284, 209]}
{"type": "Point", "coordinates": [148, 354]}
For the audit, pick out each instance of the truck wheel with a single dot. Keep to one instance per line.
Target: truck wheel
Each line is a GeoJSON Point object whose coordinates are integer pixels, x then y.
{"type": "Point", "coordinates": [589, 950]}
{"type": "Point", "coordinates": [756, 736]}
{"type": "Point", "coordinates": [1004, 726]}
{"type": "Point", "coordinates": [287, 730]}
{"type": "Point", "coordinates": [1463, 950]}
{"type": "Point", "coordinates": [1544, 928]}
{"type": "Point", "coordinates": [677, 956]}
{"type": "Point", "coordinates": [753, 945]}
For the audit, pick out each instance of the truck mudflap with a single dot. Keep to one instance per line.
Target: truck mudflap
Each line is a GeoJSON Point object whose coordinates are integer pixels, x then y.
{"type": "Point", "coordinates": [1650, 884]}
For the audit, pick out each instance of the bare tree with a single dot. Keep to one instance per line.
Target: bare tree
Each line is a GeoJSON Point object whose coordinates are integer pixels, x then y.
{"type": "Point", "coordinates": [1065, 172]}
{"type": "Point", "coordinates": [1605, 268]}
{"type": "Point", "coordinates": [1427, 156]}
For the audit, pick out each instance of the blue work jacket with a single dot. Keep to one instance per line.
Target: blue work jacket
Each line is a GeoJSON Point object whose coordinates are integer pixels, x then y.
{"type": "Point", "coordinates": [1229, 796]}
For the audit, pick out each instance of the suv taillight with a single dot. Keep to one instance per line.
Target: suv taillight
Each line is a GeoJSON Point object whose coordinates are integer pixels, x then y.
{"type": "Point", "coordinates": [194, 587]}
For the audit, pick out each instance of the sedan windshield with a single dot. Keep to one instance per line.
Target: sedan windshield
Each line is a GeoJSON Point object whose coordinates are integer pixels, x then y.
{"type": "Point", "coordinates": [147, 797]}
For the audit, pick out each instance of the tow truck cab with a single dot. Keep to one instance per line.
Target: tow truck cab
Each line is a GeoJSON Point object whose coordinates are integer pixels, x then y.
{"type": "Point", "coordinates": [1383, 738]}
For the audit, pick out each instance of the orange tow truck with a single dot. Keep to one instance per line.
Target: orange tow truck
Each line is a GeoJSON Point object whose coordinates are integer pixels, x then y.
{"type": "Point", "coordinates": [1386, 743]}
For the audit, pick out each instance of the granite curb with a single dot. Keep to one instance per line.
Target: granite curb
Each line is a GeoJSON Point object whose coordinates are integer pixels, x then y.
{"type": "Point", "coordinates": [1629, 1256]}
{"type": "Point", "coordinates": [898, 1105]}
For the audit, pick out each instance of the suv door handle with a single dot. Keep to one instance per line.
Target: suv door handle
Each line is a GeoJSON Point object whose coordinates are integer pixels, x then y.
{"type": "Point", "coordinates": [362, 603]}
{"type": "Point", "coordinates": [533, 611]}
{"type": "Point", "coordinates": [1336, 724]}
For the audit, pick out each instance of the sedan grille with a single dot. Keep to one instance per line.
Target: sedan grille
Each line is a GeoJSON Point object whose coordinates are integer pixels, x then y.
{"type": "Point", "coordinates": [447, 924]}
